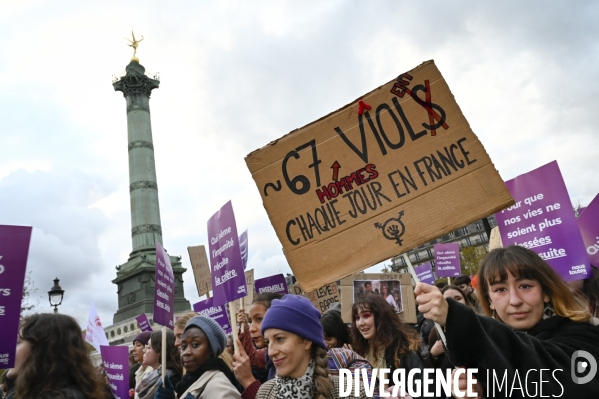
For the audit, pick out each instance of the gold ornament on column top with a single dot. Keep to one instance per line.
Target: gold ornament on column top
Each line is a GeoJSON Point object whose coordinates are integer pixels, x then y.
{"type": "Point", "coordinates": [134, 44]}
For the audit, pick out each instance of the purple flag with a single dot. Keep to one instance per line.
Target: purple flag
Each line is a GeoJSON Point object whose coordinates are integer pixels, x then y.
{"type": "Point", "coordinates": [217, 313]}
{"type": "Point", "coordinates": [543, 221]}
{"type": "Point", "coordinates": [144, 323]}
{"type": "Point", "coordinates": [447, 260]}
{"type": "Point", "coordinates": [14, 248]}
{"type": "Point", "coordinates": [164, 289]}
{"type": "Point", "coordinates": [275, 284]}
{"type": "Point", "coordinates": [243, 248]}
{"type": "Point", "coordinates": [228, 278]}
{"type": "Point", "coordinates": [116, 366]}
{"type": "Point", "coordinates": [589, 228]}
{"type": "Point", "coordinates": [424, 272]}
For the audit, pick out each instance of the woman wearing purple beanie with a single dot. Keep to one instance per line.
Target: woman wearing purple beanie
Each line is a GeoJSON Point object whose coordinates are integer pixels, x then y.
{"type": "Point", "coordinates": [296, 346]}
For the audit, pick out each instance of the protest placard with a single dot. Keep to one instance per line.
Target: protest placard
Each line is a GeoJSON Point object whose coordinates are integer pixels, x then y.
{"type": "Point", "coordinates": [379, 176]}
{"type": "Point", "coordinates": [201, 269]}
{"type": "Point", "coordinates": [94, 332]}
{"type": "Point", "coordinates": [399, 293]}
{"type": "Point", "coordinates": [542, 220]}
{"type": "Point", "coordinates": [164, 289]}
{"type": "Point", "coordinates": [14, 248]}
{"type": "Point", "coordinates": [424, 272]}
{"type": "Point", "coordinates": [217, 313]}
{"type": "Point", "coordinates": [321, 298]}
{"type": "Point", "coordinates": [588, 221]}
{"type": "Point", "coordinates": [228, 282]}
{"type": "Point", "coordinates": [144, 323]}
{"type": "Point", "coordinates": [274, 283]}
{"type": "Point", "coordinates": [447, 260]}
{"type": "Point", "coordinates": [243, 248]}
{"type": "Point", "coordinates": [247, 300]}
{"type": "Point", "coordinates": [116, 366]}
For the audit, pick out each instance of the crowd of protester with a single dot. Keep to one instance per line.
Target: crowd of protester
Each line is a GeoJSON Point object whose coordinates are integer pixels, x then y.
{"type": "Point", "coordinates": [514, 316]}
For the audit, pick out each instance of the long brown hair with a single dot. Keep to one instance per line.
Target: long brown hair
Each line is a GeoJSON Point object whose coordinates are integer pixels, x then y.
{"type": "Point", "coordinates": [58, 359]}
{"type": "Point", "coordinates": [390, 330]}
{"type": "Point", "coordinates": [173, 357]}
{"type": "Point", "coordinates": [524, 263]}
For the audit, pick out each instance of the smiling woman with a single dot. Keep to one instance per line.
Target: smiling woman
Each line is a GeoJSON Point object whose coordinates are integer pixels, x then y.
{"type": "Point", "coordinates": [537, 327]}
{"type": "Point", "coordinates": [296, 346]}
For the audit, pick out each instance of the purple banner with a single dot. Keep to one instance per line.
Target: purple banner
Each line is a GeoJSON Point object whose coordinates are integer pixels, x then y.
{"type": "Point", "coordinates": [115, 360]}
{"type": "Point", "coordinates": [243, 248]}
{"type": "Point", "coordinates": [424, 272]}
{"type": "Point", "coordinates": [228, 278]}
{"type": "Point", "coordinates": [164, 289]}
{"type": "Point", "coordinates": [589, 228]}
{"type": "Point", "coordinates": [543, 221]}
{"type": "Point", "coordinates": [276, 284]}
{"type": "Point", "coordinates": [14, 248]}
{"type": "Point", "coordinates": [217, 313]}
{"type": "Point", "coordinates": [144, 323]}
{"type": "Point", "coordinates": [447, 260]}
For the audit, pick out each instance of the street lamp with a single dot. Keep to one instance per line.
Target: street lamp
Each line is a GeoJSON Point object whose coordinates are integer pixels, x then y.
{"type": "Point", "coordinates": [55, 295]}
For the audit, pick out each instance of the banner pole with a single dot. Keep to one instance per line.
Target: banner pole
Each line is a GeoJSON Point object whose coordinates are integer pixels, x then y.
{"type": "Point", "coordinates": [243, 309]}
{"type": "Point", "coordinates": [163, 354]}
{"type": "Point", "coordinates": [440, 332]}
{"type": "Point", "coordinates": [233, 325]}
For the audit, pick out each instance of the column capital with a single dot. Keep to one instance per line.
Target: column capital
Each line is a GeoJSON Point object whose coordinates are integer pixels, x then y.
{"type": "Point", "coordinates": [135, 82]}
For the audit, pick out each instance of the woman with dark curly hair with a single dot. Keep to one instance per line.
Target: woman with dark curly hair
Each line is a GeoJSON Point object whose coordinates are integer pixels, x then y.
{"type": "Point", "coordinates": [153, 358]}
{"type": "Point", "coordinates": [52, 361]}
{"type": "Point", "coordinates": [382, 338]}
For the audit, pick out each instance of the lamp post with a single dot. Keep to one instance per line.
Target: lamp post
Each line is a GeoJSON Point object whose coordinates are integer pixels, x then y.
{"type": "Point", "coordinates": [55, 295]}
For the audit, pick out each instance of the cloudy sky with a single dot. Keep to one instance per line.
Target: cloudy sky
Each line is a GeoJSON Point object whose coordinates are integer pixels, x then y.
{"type": "Point", "coordinates": [237, 75]}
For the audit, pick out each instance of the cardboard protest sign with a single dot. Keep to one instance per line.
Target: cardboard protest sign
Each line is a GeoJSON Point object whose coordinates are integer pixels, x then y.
{"type": "Point", "coordinates": [447, 260]}
{"type": "Point", "coordinates": [424, 272]}
{"type": "Point", "coordinates": [14, 248]}
{"type": "Point", "coordinates": [243, 248]}
{"type": "Point", "coordinates": [321, 298]}
{"type": "Point", "coordinates": [144, 323]}
{"type": "Point", "coordinates": [164, 289]}
{"type": "Point", "coordinates": [247, 300]}
{"type": "Point", "coordinates": [375, 178]}
{"type": "Point", "coordinates": [116, 366]}
{"type": "Point", "coordinates": [201, 269]}
{"type": "Point", "coordinates": [217, 313]}
{"type": "Point", "coordinates": [588, 221]}
{"type": "Point", "coordinates": [495, 239]}
{"type": "Point", "coordinates": [543, 221]}
{"type": "Point", "coordinates": [228, 282]}
{"type": "Point", "coordinates": [94, 332]}
{"type": "Point", "coordinates": [274, 283]}
{"type": "Point", "coordinates": [354, 286]}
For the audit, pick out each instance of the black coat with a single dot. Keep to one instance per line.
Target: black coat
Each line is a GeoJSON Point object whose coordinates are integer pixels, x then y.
{"type": "Point", "coordinates": [492, 346]}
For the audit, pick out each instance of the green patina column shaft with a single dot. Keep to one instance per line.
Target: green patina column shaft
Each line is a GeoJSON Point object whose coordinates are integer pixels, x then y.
{"type": "Point", "coordinates": [135, 278]}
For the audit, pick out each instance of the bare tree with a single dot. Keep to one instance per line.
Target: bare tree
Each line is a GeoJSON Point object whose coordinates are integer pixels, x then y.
{"type": "Point", "coordinates": [28, 302]}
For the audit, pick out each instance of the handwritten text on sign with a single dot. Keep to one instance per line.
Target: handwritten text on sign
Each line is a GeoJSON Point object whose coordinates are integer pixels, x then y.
{"type": "Point", "coordinates": [364, 184]}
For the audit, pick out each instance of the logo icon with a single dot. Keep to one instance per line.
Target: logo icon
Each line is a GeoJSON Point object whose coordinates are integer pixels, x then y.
{"type": "Point", "coordinates": [98, 322]}
{"type": "Point", "coordinates": [579, 366]}
{"type": "Point", "coordinates": [393, 228]}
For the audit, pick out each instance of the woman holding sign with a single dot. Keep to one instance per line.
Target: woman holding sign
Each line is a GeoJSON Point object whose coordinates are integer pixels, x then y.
{"type": "Point", "coordinates": [153, 358]}
{"type": "Point", "coordinates": [536, 333]}
{"type": "Point", "coordinates": [296, 346]}
{"type": "Point", "coordinates": [52, 361]}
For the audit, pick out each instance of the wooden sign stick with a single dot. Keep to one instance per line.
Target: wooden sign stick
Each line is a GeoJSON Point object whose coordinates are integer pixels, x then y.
{"type": "Point", "coordinates": [440, 332]}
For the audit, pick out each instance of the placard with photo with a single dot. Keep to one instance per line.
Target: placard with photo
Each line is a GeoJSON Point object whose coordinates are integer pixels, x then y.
{"type": "Point", "coordinates": [389, 290]}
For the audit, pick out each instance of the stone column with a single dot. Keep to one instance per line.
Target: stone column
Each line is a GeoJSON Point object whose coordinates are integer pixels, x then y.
{"type": "Point", "coordinates": [143, 187]}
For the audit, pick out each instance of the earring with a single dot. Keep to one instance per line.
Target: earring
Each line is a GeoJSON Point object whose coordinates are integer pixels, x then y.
{"type": "Point", "coordinates": [494, 314]}
{"type": "Point", "coordinates": [548, 311]}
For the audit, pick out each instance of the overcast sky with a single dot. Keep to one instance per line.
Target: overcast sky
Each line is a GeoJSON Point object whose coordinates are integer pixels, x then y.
{"type": "Point", "coordinates": [237, 75]}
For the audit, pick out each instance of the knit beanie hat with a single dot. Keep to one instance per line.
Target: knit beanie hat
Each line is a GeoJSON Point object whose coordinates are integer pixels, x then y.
{"type": "Point", "coordinates": [213, 331]}
{"type": "Point", "coordinates": [295, 314]}
{"type": "Point", "coordinates": [143, 337]}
